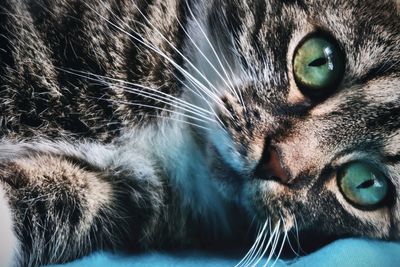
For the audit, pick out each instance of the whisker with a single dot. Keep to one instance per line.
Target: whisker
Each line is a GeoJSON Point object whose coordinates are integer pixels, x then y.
{"type": "Point", "coordinates": [156, 108]}
{"type": "Point", "coordinates": [300, 250]}
{"type": "Point", "coordinates": [230, 86]}
{"type": "Point", "coordinates": [213, 49]}
{"type": "Point", "coordinates": [291, 247]}
{"type": "Point", "coordinates": [240, 97]}
{"type": "Point", "coordinates": [271, 239]}
{"type": "Point", "coordinates": [195, 90]}
{"type": "Point", "coordinates": [184, 72]}
{"type": "Point", "coordinates": [212, 95]}
{"type": "Point", "coordinates": [285, 236]}
{"type": "Point", "coordinates": [175, 49]}
{"type": "Point", "coordinates": [251, 250]}
{"type": "Point", "coordinates": [221, 123]}
{"type": "Point", "coordinates": [190, 77]}
{"type": "Point", "coordinates": [149, 95]}
{"type": "Point", "coordinates": [290, 242]}
{"type": "Point", "coordinates": [260, 254]}
{"type": "Point", "coordinates": [182, 121]}
{"type": "Point", "coordinates": [158, 51]}
{"type": "Point", "coordinates": [259, 250]}
{"type": "Point", "coordinates": [188, 104]}
{"type": "Point", "coordinates": [192, 107]}
{"type": "Point", "coordinates": [274, 245]}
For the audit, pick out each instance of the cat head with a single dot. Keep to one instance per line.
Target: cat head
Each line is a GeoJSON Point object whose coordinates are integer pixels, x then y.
{"type": "Point", "coordinates": [307, 103]}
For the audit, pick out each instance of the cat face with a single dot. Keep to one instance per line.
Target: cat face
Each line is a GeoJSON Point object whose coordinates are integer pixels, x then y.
{"type": "Point", "coordinates": [309, 104]}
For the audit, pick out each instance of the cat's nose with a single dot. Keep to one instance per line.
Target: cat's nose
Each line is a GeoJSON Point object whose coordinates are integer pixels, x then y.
{"type": "Point", "coordinates": [271, 167]}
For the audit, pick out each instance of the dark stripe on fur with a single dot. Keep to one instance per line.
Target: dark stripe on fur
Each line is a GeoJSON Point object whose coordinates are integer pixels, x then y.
{"type": "Point", "coordinates": [380, 71]}
{"type": "Point", "coordinates": [149, 68]}
{"type": "Point", "coordinates": [393, 159]}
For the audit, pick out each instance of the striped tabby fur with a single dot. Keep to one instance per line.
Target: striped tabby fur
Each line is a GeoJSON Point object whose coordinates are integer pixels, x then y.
{"type": "Point", "coordinates": [138, 124]}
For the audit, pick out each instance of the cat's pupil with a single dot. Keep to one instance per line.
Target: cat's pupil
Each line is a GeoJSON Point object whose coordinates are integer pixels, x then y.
{"type": "Point", "coordinates": [366, 184]}
{"type": "Point", "coordinates": [318, 62]}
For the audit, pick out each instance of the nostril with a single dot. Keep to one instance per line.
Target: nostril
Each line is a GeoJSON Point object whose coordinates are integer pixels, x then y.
{"type": "Point", "coordinates": [270, 167]}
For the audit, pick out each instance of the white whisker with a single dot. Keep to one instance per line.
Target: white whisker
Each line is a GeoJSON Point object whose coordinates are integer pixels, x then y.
{"type": "Point", "coordinates": [157, 98]}
{"type": "Point", "coordinates": [256, 255]}
{"type": "Point", "coordinates": [251, 250]}
{"type": "Point", "coordinates": [168, 99]}
{"type": "Point", "coordinates": [157, 108]}
{"type": "Point", "coordinates": [180, 100]}
{"type": "Point", "coordinates": [158, 51]}
{"type": "Point", "coordinates": [241, 100]}
{"type": "Point", "coordinates": [230, 86]}
{"type": "Point", "coordinates": [274, 245]}
{"type": "Point", "coordinates": [290, 242]}
{"type": "Point", "coordinates": [259, 250]}
{"type": "Point", "coordinates": [176, 49]}
{"type": "Point", "coordinates": [181, 121]}
{"type": "Point", "coordinates": [271, 239]}
{"type": "Point", "coordinates": [300, 250]}
{"type": "Point", "coordinates": [193, 80]}
{"type": "Point", "coordinates": [214, 51]}
{"type": "Point", "coordinates": [221, 124]}
{"type": "Point", "coordinates": [285, 236]}
{"type": "Point", "coordinates": [212, 95]}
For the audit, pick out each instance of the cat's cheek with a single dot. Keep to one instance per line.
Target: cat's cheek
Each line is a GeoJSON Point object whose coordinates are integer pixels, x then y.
{"type": "Point", "coordinates": [8, 241]}
{"type": "Point", "coordinates": [261, 197]}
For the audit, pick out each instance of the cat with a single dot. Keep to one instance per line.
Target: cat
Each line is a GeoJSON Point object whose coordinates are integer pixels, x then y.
{"type": "Point", "coordinates": [167, 124]}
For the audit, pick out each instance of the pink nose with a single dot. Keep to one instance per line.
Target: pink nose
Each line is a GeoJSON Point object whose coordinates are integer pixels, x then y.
{"type": "Point", "coordinates": [273, 167]}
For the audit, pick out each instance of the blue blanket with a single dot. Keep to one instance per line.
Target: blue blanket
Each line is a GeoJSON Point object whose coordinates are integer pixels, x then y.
{"type": "Point", "coordinates": [343, 253]}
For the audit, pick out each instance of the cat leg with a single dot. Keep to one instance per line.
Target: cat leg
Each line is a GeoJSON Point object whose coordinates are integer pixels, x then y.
{"type": "Point", "coordinates": [63, 209]}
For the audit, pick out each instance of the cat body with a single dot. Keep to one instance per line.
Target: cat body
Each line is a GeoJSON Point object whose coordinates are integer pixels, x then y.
{"type": "Point", "coordinates": [175, 124]}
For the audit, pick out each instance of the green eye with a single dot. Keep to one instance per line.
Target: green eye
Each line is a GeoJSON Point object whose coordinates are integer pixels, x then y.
{"type": "Point", "coordinates": [318, 66]}
{"type": "Point", "coordinates": [363, 185]}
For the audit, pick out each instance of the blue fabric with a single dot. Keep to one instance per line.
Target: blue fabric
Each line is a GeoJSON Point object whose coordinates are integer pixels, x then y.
{"type": "Point", "coordinates": [343, 253]}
